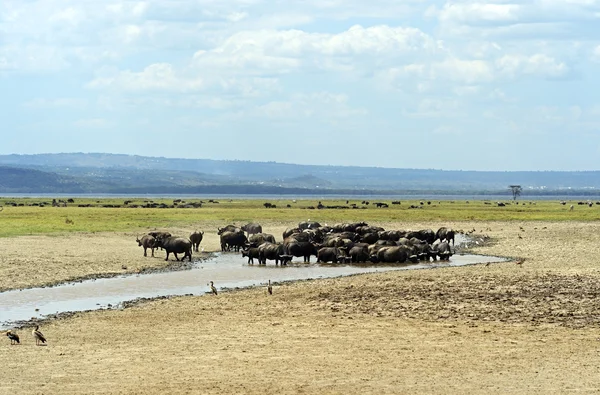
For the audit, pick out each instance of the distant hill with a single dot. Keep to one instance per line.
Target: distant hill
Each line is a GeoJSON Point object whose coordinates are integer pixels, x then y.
{"type": "Point", "coordinates": [117, 173]}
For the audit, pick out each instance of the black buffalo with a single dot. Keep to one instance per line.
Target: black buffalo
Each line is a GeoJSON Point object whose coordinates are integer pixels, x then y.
{"type": "Point", "coordinates": [196, 239]}
{"type": "Point", "coordinates": [273, 252]}
{"type": "Point", "coordinates": [251, 253]}
{"type": "Point", "coordinates": [301, 248]}
{"type": "Point", "coordinates": [235, 240]}
{"type": "Point", "coordinates": [147, 241]}
{"type": "Point", "coordinates": [252, 228]}
{"type": "Point", "coordinates": [176, 245]}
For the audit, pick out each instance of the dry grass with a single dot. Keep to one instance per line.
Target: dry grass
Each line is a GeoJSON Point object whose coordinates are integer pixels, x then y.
{"type": "Point", "coordinates": [502, 328]}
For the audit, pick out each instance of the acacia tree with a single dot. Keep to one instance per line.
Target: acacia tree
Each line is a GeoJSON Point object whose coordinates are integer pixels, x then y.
{"type": "Point", "coordinates": [516, 191]}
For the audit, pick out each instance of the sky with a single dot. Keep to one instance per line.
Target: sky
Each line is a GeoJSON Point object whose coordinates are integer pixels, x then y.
{"type": "Point", "coordinates": [453, 85]}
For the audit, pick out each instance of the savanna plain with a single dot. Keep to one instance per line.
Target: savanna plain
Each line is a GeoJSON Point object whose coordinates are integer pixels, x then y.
{"type": "Point", "coordinates": [528, 325]}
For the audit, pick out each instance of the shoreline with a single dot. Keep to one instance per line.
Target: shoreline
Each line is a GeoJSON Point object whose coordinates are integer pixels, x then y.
{"type": "Point", "coordinates": [530, 328]}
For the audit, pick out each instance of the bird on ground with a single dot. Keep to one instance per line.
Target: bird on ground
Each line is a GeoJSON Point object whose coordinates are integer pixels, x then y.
{"type": "Point", "coordinates": [270, 288]}
{"type": "Point", "coordinates": [212, 288]}
{"type": "Point", "coordinates": [14, 338]}
{"type": "Point", "coordinates": [520, 261]}
{"type": "Point", "coordinates": [39, 336]}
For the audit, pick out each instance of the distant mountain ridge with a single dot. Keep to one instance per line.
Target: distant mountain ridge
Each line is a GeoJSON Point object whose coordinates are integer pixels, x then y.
{"type": "Point", "coordinates": [119, 173]}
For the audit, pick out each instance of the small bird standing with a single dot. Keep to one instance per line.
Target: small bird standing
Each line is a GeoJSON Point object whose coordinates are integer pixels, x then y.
{"type": "Point", "coordinates": [14, 338]}
{"type": "Point", "coordinates": [39, 336]}
{"type": "Point", "coordinates": [212, 288]}
{"type": "Point", "coordinates": [270, 288]}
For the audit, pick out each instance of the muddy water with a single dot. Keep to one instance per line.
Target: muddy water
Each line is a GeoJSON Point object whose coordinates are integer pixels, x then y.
{"type": "Point", "coordinates": [226, 270]}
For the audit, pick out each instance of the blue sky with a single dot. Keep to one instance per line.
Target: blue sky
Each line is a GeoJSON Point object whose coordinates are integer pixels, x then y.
{"type": "Point", "coordinates": [445, 85]}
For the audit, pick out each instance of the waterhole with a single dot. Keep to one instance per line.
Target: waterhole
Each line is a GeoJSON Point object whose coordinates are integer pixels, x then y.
{"type": "Point", "coordinates": [226, 270]}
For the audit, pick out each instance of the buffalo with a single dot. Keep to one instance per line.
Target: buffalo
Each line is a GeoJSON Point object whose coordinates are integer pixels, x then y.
{"type": "Point", "coordinates": [445, 234]}
{"type": "Point", "coordinates": [309, 225]}
{"type": "Point", "coordinates": [235, 240]}
{"type": "Point", "coordinates": [176, 245]}
{"type": "Point", "coordinates": [273, 252]}
{"type": "Point", "coordinates": [424, 235]}
{"type": "Point", "coordinates": [359, 253]}
{"type": "Point", "coordinates": [259, 238]}
{"type": "Point", "coordinates": [228, 228]}
{"type": "Point", "coordinates": [252, 228]}
{"type": "Point", "coordinates": [251, 253]}
{"type": "Point", "coordinates": [443, 250]}
{"type": "Point", "coordinates": [196, 239]}
{"type": "Point", "coordinates": [290, 231]}
{"type": "Point", "coordinates": [331, 254]}
{"type": "Point", "coordinates": [147, 241]}
{"type": "Point", "coordinates": [301, 248]}
{"type": "Point", "coordinates": [398, 254]}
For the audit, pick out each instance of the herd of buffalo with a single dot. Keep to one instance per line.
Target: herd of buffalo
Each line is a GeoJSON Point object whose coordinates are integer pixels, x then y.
{"type": "Point", "coordinates": [345, 242]}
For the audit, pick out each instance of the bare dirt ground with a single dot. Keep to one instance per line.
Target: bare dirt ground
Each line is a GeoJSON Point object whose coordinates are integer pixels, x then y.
{"type": "Point", "coordinates": [500, 328]}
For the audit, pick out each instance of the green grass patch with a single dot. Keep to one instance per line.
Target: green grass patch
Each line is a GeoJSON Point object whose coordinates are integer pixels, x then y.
{"type": "Point", "coordinates": [30, 218]}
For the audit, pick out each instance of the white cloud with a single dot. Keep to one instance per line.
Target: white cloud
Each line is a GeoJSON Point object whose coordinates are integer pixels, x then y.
{"type": "Point", "coordinates": [596, 54]}
{"type": "Point", "coordinates": [356, 40]}
{"type": "Point", "coordinates": [476, 13]}
{"type": "Point", "coordinates": [61, 102]}
{"type": "Point", "coordinates": [156, 77]}
{"type": "Point", "coordinates": [392, 69]}
{"type": "Point", "coordinates": [537, 64]}
{"type": "Point", "coordinates": [322, 105]}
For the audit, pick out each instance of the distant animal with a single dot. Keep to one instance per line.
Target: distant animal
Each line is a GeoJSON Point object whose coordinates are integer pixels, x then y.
{"type": "Point", "coordinates": [571, 208]}
{"type": "Point", "coordinates": [270, 288]}
{"type": "Point", "coordinates": [14, 338]}
{"type": "Point", "coordinates": [39, 336]}
{"type": "Point", "coordinates": [212, 288]}
{"type": "Point", "coordinates": [196, 239]}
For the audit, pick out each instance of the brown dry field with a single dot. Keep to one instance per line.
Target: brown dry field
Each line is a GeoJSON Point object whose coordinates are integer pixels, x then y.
{"type": "Point", "coordinates": [502, 328]}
